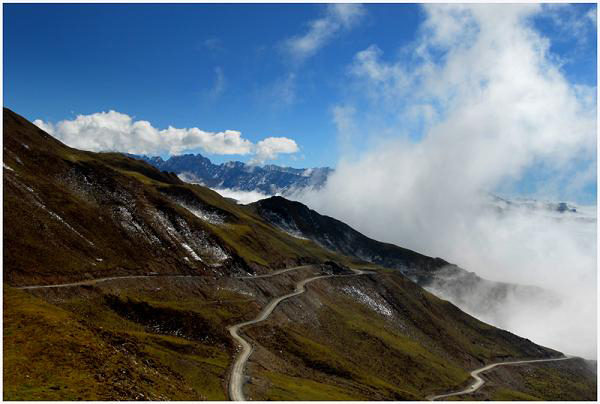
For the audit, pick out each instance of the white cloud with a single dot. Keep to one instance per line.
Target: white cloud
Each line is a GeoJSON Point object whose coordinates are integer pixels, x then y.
{"type": "Point", "coordinates": [213, 44]}
{"type": "Point", "coordinates": [219, 85]}
{"type": "Point", "coordinates": [283, 90]}
{"type": "Point", "coordinates": [572, 22]}
{"type": "Point", "coordinates": [114, 131]}
{"type": "Point", "coordinates": [343, 118]}
{"type": "Point", "coordinates": [592, 16]}
{"type": "Point", "coordinates": [45, 126]}
{"type": "Point", "coordinates": [386, 80]}
{"type": "Point", "coordinates": [337, 17]}
{"type": "Point", "coordinates": [449, 24]}
{"type": "Point", "coordinates": [271, 147]}
{"type": "Point", "coordinates": [243, 197]}
{"type": "Point", "coordinates": [490, 106]}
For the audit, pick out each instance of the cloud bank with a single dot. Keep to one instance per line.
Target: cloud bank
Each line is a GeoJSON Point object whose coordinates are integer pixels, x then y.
{"type": "Point", "coordinates": [114, 131]}
{"type": "Point", "coordinates": [488, 103]}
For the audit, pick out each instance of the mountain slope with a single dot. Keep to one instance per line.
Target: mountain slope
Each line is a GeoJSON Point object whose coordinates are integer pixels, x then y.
{"type": "Point", "coordinates": [463, 288]}
{"type": "Point", "coordinates": [71, 215]}
{"type": "Point", "coordinates": [300, 221]}
{"type": "Point", "coordinates": [268, 179]}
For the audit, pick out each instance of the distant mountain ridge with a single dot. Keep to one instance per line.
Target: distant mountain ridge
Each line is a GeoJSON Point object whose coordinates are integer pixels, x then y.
{"type": "Point", "coordinates": [272, 179]}
{"type": "Point", "coordinates": [503, 204]}
{"type": "Point", "coordinates": [269, 179]}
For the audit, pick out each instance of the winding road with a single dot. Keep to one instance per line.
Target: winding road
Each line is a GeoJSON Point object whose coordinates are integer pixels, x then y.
{"type": "Point", "coordinates": [236, 380]}
{"type": "Point", "coordinates": [94, 281]}
{"type": "Point", "coordinates": [237, 374]}
{"type": "Point", "coordinates": [278, 272]}
{"type": "Point", "coordinates": [479, 382]}
{"type": "Point", "coordinates": [112, 278]}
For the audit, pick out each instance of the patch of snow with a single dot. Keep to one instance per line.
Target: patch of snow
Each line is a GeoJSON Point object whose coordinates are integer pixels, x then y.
{"type": "Point", "coordinates": [190, 178]}
{"type": "Point", "coordinates": [22, 186]}
{"type": "Point", "coordinates": [196, 242]}
{"type": "Point", "coordinates": [307, 172]}
{"type": "Point", "coordinates": [241, 292]}
{"type": "Point", "coordinates": [191, 252]}
{"type": "Point", "coordinates": [210, 217]}
{"type": "Point", "coordinates": [218, 253]}
{"type": "Point", "coordinates": [287, 227]}
{"type": "Point", "coordinates": [128, 222]}
{"type": "Point", "coordinates": [295, 234]}
{"type": "Point", "coordinates": [25, 146]}
{"type": "Point", "coordinates": [60, 219]}
{"type": "Point", "coordinates": [367, 300]}
{"type": "Point", "coordinates": [165, 223]}
{"type": "Point", "coordinates": [38, 202]}
{"type": "Point", "coordinates": [7, 167]}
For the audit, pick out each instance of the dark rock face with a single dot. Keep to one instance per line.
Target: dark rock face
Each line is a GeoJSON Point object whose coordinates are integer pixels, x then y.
{"type": "Point", "coordinates": [564, 207]}
{"type": "Point", "coordinates": [298, 220]}
{"type": "Point", "coordinates": [269, 179]}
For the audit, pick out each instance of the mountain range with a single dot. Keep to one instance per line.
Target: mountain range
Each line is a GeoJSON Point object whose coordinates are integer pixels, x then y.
{"type": "Point", "coordinates": [123, 282]}
{"type": "Point", "coordinates": [272, 179]}
{"type": "Point", "coordinates": [268, 179]}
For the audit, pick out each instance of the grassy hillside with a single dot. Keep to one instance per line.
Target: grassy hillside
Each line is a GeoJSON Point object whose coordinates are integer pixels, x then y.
{"type": "Point", "coordinates": [571, 380]}
{"type": "Point", "coordinates": [377, 337]}
{"type": "Point", "coordinates": [104, 348]}
{"type": "Point", "coordinates": [71, 215]}
{"type": "Point", "coordinates": [165, 337]}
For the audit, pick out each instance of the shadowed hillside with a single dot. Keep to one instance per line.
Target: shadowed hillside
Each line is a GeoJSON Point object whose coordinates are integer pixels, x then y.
{"type": "Point", "coordinates": [466, 289]}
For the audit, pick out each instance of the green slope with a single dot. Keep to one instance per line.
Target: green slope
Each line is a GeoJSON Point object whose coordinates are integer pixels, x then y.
{"type": "Point", "coordinates": [71, 215]}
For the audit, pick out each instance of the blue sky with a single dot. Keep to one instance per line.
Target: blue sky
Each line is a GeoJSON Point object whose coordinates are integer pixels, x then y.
{"type": "Point", "coordinates": [229, 66]}
{"type": "Point", "coordinates": [157, 63]}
